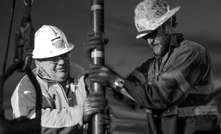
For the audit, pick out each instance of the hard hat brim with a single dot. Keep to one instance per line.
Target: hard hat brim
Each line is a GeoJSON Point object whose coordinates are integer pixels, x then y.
{"type": "Point", "coordinates": [143, 33]}
{"type": "Point", "coordinates": [63, 51]}
{"type": "Point", "coordinates": [162, 20]}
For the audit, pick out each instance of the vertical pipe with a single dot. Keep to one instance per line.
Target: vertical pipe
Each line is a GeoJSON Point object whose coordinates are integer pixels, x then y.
{"type": "Point", "coordinates": [97, 55]}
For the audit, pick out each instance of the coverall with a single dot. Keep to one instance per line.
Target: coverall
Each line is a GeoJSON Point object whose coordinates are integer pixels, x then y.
{"type": "Point", "coordinates": [181, 105]}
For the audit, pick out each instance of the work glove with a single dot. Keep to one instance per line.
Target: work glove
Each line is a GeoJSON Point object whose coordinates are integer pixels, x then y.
{"type": "Point", "coordinates": [107, 118]}
{"type": "Point", "coordinates": [93, 104]}
{"type": "Point", "coordinates": [102, 75]}
{"type": "Point", "coordinates": [93, 42]}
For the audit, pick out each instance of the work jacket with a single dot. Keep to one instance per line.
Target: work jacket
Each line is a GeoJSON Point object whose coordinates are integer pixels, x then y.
{"type": "Point", "coordinates": [177, 84]}
{"type": "Point", "coordinates": [62, 109]}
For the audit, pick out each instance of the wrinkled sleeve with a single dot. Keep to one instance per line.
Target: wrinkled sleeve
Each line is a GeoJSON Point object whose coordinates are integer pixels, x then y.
{"type": "Point", "coordinates": [52, 120]}
{"type": "Point", "coordinates": [191, 63]}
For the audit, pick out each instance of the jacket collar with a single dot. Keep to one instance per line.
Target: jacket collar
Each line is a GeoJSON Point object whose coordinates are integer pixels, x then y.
{"type": "Point", "coordinates": [42, 73]}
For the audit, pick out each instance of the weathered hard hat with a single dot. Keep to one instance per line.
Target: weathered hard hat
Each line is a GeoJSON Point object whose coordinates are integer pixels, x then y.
{"type": "Point", "coordinates": [150, 14]}
{"type": "Point", "coordinates": [50, 41]}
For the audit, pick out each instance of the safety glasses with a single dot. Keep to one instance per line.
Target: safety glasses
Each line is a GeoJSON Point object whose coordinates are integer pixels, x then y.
{"type": "Point", "coordinates": [151, 35]}
{"type": "Point", "coordinates": [56, 59]}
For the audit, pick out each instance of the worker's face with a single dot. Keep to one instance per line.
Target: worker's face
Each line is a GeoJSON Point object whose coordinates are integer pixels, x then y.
{"type": "Point", "coordinates": [159, 41]}
{"type": "Point", "coordinates": [58, 67]}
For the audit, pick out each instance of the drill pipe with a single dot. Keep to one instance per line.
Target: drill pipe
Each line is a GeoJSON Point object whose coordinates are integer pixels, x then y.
{"type": "Point", "coordinates": [97, 55]}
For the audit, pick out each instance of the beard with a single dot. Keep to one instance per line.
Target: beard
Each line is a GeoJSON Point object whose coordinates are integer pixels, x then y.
{"type": "Point", "coordinates": [162, 48]}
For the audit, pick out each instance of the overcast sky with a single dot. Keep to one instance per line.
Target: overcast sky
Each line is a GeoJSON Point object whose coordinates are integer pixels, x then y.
{"type": "Point", "coordinates": [199, 20]}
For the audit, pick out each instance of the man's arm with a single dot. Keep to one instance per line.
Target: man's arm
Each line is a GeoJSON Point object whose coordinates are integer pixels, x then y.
{"type": "Point", "coordinates": [190, 64]}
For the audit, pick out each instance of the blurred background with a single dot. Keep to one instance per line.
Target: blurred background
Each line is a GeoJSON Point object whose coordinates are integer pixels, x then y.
{"type": "Point", "coordinates": [199, 20]}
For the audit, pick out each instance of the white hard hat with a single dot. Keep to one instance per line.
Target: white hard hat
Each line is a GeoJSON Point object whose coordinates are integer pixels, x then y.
{"type": "Point", "coordinates": [150, 14]}
{"type": "Point", "coordinates": [50, 41]}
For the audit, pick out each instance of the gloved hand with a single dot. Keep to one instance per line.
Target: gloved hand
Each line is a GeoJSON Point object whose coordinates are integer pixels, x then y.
{"type": "Point", "coordinates": [93, 104]}
{"type": "Point", "coordinates": [93, 42]}
{"type": "Point", "coordinates": [107, 118]}
{"type": "Point", "coordinates": [102, 75]}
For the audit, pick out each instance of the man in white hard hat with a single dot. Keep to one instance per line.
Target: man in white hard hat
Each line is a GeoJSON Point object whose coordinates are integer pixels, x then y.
{"type": "Point", "coordinates": [67, 104]}
{"type": "Point", "coordinates": [175, 85]}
